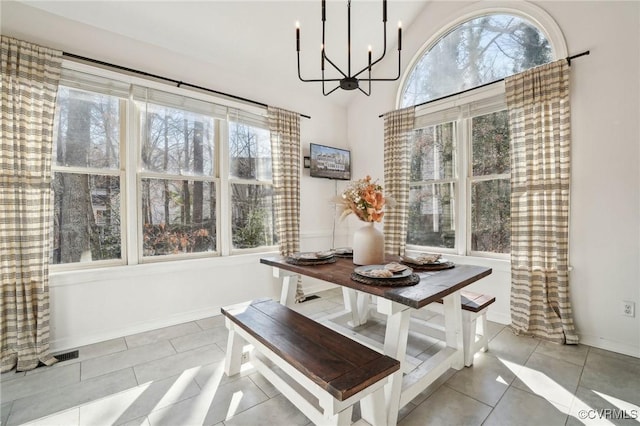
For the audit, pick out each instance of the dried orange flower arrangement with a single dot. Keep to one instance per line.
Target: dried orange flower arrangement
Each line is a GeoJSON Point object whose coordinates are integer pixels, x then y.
{"type": "Point", "coordinates": [365, 199]}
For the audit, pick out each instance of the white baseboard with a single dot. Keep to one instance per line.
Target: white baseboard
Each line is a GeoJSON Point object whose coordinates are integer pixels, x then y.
{"type": "Point", "coordinates": [609, 345]}
{"type": "Point", "coordinates": [64, 344]}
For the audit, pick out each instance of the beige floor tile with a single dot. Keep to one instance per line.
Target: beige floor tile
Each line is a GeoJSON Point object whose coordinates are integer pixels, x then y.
{"type": "Point", "coordinates": [161, 334]}
{"type": "Point", "coordinates": [140, 355]}
{"type": "Point", "coordinates": [486, 380]}
{"type": "Point", "coordinates": [518, 407]}
{"type": "Point", "coordinates": [550, 378]}
{"type": "Point", "coordinates": [275, 411]}
{"type": "Point", "coordinates": [447, 407]}
{"type": "Point", "coordinates": [616, 377]}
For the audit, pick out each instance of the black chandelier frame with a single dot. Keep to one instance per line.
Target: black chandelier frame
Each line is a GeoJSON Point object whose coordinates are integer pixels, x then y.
{"type": "Point", "coordinates": [349, 81]}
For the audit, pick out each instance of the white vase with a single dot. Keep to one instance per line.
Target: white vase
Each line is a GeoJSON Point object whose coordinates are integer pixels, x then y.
{"type": "Point", "coordinates": [368, 245]}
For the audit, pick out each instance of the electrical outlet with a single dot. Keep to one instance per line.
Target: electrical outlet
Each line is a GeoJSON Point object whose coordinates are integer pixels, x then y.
{"type": "Point", "coordinates": [628, 308]}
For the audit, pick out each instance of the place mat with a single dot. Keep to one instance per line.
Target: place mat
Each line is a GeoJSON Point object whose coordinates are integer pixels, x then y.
{"type": "Point", "coordinates": [347, 255]}
{"type": "Point", "coordinates": [430, 266]}
{"type": "Point", "coordinates": [310, 262]}
{"type": "Point", "coordinates": [412, 279]}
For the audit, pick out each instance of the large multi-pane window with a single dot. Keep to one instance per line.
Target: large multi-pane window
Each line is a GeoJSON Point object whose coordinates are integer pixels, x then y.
{"type": "Point", "coordinates": [146, 174]}
{"type": "Point", "coordinates": [455, 204]}
{"type": "Point", "coordinates": [459, 199]}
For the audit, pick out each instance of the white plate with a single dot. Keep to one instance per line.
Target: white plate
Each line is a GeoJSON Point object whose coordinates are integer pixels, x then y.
{"type": "Point", "coordinates": [312, 255]}
{"type": "Point", "coordinates": [413, 261]}
{"type": "Point", "coordinates": [365, 272]}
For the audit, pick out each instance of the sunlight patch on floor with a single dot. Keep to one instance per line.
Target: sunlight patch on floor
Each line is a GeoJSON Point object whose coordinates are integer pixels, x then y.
{"type": "Point", "coordinates": [542, 385]}
{"type": "Point", "coordinates": [625, 406]}
{"type": "Point", "coordinates": [109, 410]}
{"type": "Point", "coordinates": [233, 405]}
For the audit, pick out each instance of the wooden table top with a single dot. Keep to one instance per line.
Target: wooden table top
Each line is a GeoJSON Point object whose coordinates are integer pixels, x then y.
{"type": "Point", "coordinates": [433, 285]}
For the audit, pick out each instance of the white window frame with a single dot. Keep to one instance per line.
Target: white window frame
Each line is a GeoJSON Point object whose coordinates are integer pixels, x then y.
{"type": "Point", "coordinates": [130, 171]}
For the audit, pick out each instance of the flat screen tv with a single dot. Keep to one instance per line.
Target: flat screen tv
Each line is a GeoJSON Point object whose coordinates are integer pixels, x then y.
{"type": "Point", "coordinates": [330, 163]}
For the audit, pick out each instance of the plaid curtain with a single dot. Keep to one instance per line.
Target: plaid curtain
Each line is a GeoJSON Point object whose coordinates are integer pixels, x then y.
{"type": "Point", "coordinates": [30, 77]}
{"type": "Point", "coordinates": [539, 119]}
{"type": "Point", "coordinates": [285, 156]}
{"type": "Point", "coordinates": [397, 131]}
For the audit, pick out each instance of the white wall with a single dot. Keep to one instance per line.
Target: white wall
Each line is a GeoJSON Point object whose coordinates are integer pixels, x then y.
{"type": "Point", "coordinates": [93, 305]}
{"type": "Point", "coordinates": [605, 214]}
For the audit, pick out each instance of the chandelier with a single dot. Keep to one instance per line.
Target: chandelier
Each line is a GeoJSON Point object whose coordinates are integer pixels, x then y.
{"type": "Point", "coordinates": [349, 80]}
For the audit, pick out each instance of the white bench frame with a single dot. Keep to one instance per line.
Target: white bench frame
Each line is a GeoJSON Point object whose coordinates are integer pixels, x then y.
{"type": "Point", "coordinates": [474, 332]}
{"type": "Point", "coordinates": [331, 411]}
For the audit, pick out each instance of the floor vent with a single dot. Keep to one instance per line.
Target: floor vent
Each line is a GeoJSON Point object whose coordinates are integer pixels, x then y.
{"type": "Point", "coordinates": [307, 298]}
{"type": "Point", "coordinates": [67, 356]}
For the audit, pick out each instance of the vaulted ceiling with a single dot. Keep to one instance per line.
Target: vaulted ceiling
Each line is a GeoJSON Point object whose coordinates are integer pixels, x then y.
{"type": "Point", "coordinates": [250, 36]}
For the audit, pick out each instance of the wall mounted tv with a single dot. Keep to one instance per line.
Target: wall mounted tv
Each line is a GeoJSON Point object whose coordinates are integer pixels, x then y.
{"type": "Point", "coordinates": [330, 163]}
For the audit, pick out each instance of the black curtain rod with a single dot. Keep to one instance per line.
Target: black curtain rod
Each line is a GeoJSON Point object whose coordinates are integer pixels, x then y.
{"type": "Point", "coordinates": [170, 80]}
{"type": "Point", "coordinates": [569, 58]}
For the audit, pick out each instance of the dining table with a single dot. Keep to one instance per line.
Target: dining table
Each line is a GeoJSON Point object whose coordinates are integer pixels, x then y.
{"type": "Point", "coordinates": [395, 305]}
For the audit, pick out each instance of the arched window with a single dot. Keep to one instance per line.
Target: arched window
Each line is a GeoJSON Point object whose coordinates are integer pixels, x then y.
{"type": "Point", "coordinates": [479, 51]}
{"type": "Point", "coordinates": [459, 190]}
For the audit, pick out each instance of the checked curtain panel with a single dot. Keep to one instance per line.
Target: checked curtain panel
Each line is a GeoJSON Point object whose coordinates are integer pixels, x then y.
{"type": "Point", "coordinates": [539, 119]}
{"type": "Point", "coordinates": [30, 76]}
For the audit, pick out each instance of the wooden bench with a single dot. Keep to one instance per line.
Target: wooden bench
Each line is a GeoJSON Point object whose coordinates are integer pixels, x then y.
{"type": "Point", "coordinates": [474, 334]}
{"type": "Point", "coordinates": [335, 370]}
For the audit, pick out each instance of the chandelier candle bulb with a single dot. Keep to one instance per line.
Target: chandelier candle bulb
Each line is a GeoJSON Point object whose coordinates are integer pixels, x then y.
{"type": "Point", "coordinates": [297, 36]}
{"type": "Point", "coordinates": [384, 11]}
{"type": "Point", "coordinates": [399, 36]}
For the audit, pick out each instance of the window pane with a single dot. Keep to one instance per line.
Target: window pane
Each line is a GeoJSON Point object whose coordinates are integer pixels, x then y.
{"type": "Point", "coordinates": [491, 216]}
{"type": "Point", "coordinates": [176, 141]}
{"type": "Point", "coordinates": [178, 216]}
{"type": "Point", "coordinates": [252, 216]}
{"type": "Point", "coordinates": [433, 153]}
{"type": "Point", "coordinates": [88, 129]}
{"type": "Point", "coordinates": [431, 215]}
{"type": "Point", "coordinates": [479, 51]}
{"type": "Point", "coordinates": [86, 218]}
{"type": "Point", "coordinates": [249, 152]}
{"type": "Point", "coordinates": [490, 140]}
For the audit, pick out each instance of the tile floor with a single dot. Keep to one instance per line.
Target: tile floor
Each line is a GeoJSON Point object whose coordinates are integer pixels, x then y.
{"type": "Point", "coordinates": [174, 376]}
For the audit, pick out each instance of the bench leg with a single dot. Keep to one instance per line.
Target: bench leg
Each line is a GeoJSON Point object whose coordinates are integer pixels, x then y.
{"type": "Point", "coordinates": [372, 408]}
{"type": "Point", "coordinates": [469, 336]}
{"type": "Point", "coordinates": [484, 340]}
{"type": "Point", "coordinates": [475, 334]}
{"type": "Point", "coordinates": [233, 360]}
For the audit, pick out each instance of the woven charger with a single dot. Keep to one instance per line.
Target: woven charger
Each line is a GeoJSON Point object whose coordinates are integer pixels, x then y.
{"type": "Point", "coordinates": [310, 262]}
{"type": "Point", "coordinates": [430, 266]}
{"type": "Point", "coordinates": [412, 279]}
